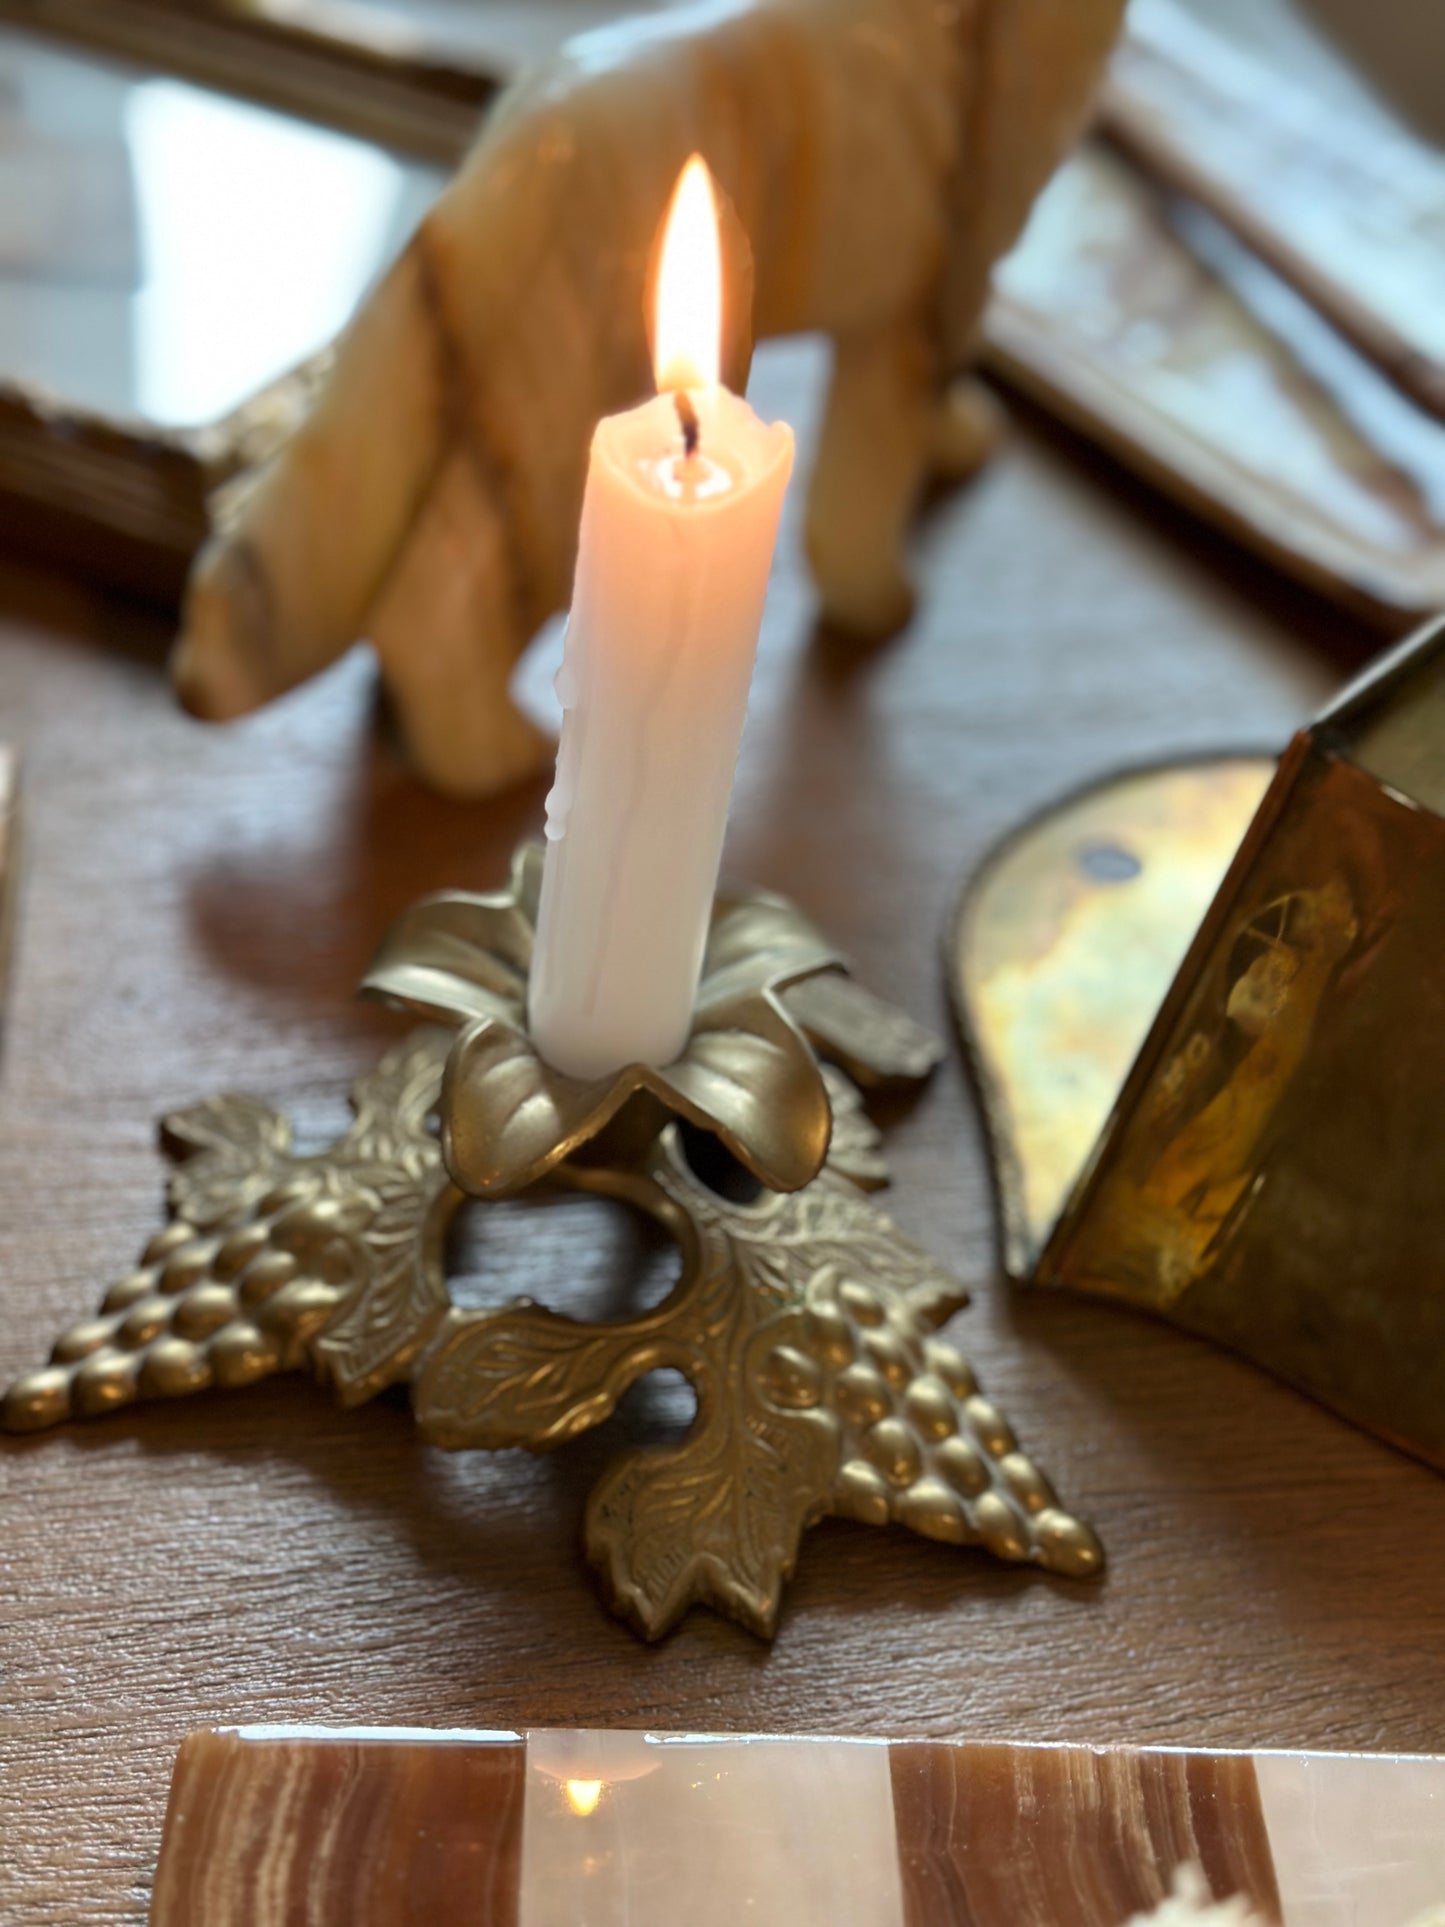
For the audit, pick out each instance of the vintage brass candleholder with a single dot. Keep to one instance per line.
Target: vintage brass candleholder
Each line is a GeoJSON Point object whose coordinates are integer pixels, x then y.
{"type": "Point", "coordinates": [1263, 1160]}
{"type": "Point", "coordinates": [802, 1318]}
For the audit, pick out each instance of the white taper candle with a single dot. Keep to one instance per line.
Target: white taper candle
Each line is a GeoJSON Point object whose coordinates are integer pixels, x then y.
{"type": "Point", "coordinates": [679, 524]}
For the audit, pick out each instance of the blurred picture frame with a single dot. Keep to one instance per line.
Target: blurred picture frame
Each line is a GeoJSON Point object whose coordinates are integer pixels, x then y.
{"type": "Point", "coordinates": [413, 78]}
{"type": "Point", "coordinates": [334, 109]}
{"type": "Point", "coordinates": [175, 262]}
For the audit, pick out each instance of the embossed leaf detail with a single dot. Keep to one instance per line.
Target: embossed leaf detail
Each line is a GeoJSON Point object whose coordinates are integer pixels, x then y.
{"type": "Point", "coordinates": [400, 1297]}
{"type": "Point", "coordinates": [855, 1148]}
{"type": "Point", "coordinates": [394, 1103]}
{"type": "Point", "coordinates": [716, 1520]}
{"type": "Point", "coordinates": [390, 1164]}
{"type": "Point", "coordinates": [525, 1376]}
{"type": "Point", "coordinates": [780, 1243]}
{"type": "Point", "coordinates": [233, 1147]}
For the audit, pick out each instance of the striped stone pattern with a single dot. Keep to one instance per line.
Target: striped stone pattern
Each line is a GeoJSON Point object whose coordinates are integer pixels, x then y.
{"type": "Point", "coordinates": [269, 1828]}
{"type": "Point", "coordinates": [1009, 1833]}
{"type": "Point", "coordinates": [278, 1827]}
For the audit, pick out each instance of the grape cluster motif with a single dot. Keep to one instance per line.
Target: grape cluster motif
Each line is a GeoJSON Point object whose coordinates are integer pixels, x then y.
{"type": "Point", "coordinates": [922, 1447]}
{"type": "Point", "coordinates": [201, 1310]}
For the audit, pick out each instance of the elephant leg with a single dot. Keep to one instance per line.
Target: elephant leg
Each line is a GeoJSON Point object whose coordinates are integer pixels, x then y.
{"type": "Point", "coordinates": [448, 632]}
{"type": "Point", "coordinates": [873, 458]}
{"type": "Point", "coordinates": [284, 586]}
{"type": "Point", "coordinates": [968, 426]}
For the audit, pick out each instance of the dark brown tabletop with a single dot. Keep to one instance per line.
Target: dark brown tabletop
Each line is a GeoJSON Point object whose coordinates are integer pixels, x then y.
{"type": "Point", "coordinates": [195, 912]}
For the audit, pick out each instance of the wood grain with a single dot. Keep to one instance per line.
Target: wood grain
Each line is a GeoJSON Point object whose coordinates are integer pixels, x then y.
{"type": "Point", "coordinates": [198, 907]}
{"type": "Point", "coordinates": [9, 856]}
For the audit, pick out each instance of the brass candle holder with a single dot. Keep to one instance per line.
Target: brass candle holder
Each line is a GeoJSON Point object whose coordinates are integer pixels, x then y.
{"type": "Point", "coordinates": [1206, 1006]}
{"type": "Point", "coordinates": [803, 1317]}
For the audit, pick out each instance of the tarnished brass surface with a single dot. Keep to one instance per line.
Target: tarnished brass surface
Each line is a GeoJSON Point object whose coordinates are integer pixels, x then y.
{"type": "Point", "coordinates": [508, 1118]}
{"type": "Point", "coordinates": [1271, 1172]}
{"type": "Point", "coordinates": [1061, 953]}
{"type": "Point", "coordinates": [803, 1318]}
{"type": "Point", "coordinates": [1275, 1174]}
{"type": "Point", "coordinates": [273, 1262]}
{"type": "Point", "coordinates": [1391, 719]}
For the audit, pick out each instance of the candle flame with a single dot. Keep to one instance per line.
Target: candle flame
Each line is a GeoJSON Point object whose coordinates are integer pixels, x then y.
{"type": "Point", "coordinates": [583, 1795]}
{"type": "Point", "coordinates": [688, 346]}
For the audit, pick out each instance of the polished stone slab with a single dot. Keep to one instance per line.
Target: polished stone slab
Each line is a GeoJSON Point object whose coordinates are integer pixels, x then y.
{"type": "Point", "coordinates": [307, 1827]}
{"type": "Point", "coordinates": [270, 1828]}
{"type": "Point", "coordinates": [1013, 1834]}
{"type": "Point", "coordinates": [708, 1833]}
{"type": "Point", "coordinates": [1358, 1841]}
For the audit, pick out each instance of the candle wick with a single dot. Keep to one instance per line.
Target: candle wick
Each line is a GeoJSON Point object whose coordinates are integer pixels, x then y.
{"type": "Point", "coordinates": [687, 415]}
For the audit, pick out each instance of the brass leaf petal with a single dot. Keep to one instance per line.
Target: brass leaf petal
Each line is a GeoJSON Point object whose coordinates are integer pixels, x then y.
{"type": "Point", "coordinates": [875, 1042]}
{"type": "Point", "coordinates": [748, 1075]}
{"type": "Point", "coordinates": [855, 1149]}
{"type": "Point", "coordinates": [456, 958]}
{"type": "Point", "coordinates": [231, 1148]}
{"type": "Point", "coordinates": [525, 884]}
{"type": "Point", "coordinates": [508, 1118]}
{"type": "Point", "coordinates": [757, 942]}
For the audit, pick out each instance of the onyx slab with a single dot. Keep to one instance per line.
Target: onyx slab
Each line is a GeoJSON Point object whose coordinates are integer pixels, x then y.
{"type": "Point", "coordinates": [309, 1827]}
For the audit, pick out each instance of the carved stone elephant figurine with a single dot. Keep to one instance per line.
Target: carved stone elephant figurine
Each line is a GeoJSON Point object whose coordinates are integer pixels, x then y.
{"type": "Point", "coordinates": [880, 156]}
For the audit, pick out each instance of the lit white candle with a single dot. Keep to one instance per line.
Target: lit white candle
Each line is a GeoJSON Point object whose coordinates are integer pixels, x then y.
{"type": "Point", "coordinates": [679, 523]}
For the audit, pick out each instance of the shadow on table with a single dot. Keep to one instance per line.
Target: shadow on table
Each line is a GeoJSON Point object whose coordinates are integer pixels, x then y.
{"type": "Point", "coordinates": [301, 907]}
{"type": "Point", "coordinates": [1256, 1478]}
{"type": "Point", "coordinates": [508, 1526]}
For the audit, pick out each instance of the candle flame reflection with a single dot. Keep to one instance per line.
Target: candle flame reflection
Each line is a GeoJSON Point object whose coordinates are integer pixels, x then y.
{"type": "Point", "coordinates": [687, 350]}
{"type": "Point", "coordinates": [583, 1795]}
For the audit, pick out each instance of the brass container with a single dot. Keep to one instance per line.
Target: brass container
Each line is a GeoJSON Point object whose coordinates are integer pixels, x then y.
{"type": "Point", "coordinates": [1271, 1173]}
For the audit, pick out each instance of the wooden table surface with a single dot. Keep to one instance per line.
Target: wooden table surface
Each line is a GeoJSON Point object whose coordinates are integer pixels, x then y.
{"type": "Point", "coordinates": [196, 909]}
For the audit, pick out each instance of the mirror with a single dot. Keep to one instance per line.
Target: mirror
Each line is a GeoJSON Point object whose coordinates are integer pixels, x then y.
{"type": "Point", "coordinates": [166, 251]}
{"type": "Point", "coordinates": [168, 256]}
